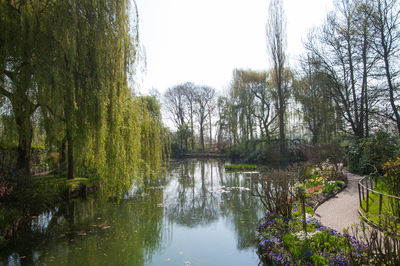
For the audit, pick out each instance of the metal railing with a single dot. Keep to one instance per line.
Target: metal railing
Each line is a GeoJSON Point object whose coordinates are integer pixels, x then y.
{"type": "Point", "coordinates": [366, 188]}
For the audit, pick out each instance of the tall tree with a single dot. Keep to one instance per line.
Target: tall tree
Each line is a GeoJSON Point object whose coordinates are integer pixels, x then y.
{"type": "Point", "coordinates": [91, 60]}
{"type": "Point", "coordinates": [210, 110]}
{"type": "Point", "coordinates": [343, 49]}
{"type": "Point", "coordinates": [311, 90]}
{"type": "Point", "coordinates": [190, 95]}
{"type": "Point", "coordinates": [386, 23]}
{"type": "Point", "coordinates": [204, 96]}
{"type": "Point", "coordinates": [365, 32]}
{"type": "Point", "coordinates": [244, 99]}
{"type": "Point", "coordinates": [175, 103]}
{"type": "Point", "coordinates": [19, 27]}
{"type": "Point", "coordinates": [276, 42]}
{"type": "Point", "coordinates": [257, 83]}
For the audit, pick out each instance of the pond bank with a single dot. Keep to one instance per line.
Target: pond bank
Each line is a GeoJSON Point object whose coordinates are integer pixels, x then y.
{"type": "Point", "coordinates": [39, 195]}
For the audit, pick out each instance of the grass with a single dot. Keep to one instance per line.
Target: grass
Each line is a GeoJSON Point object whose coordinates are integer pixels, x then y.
{"type": "Point", "coordinates": [240, 167]}
{"type": "Point", "coordinates": [373, 210]}
{"type": "Point", "coordinates": [373, 207]}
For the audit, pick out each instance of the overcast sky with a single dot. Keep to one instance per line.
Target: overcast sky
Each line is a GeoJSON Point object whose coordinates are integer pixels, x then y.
{"type": "Point", "coordinates": [202, 41]}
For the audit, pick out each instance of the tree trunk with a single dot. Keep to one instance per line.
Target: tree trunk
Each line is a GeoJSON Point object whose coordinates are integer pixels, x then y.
{"type": "Point", "coordinates": [24, 154]}
{"type": "Point", "coordinates": [282, 146]}
{"type": "Point", "coordinates": [191, 126]}
{"type": "Point", "coordinates": [25, 132]}
{"type": "Point", "coordinates": [63, 157]}
{"type": "Point", "coordinates": [202, 136]}
{"type": "Point", "coordinates": [70, 174]}
{"type": "Point", "coordinates": [209, 115]}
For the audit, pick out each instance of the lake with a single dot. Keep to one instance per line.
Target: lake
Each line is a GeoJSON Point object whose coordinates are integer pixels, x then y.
{"type": "Point", "coordinates": [197, 214]}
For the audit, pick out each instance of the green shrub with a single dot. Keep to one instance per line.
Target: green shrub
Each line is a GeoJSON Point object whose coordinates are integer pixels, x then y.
{"type": "Point", "coordinates": [363, 155]}
{"type": "Point", "coordinates": [392, 176]}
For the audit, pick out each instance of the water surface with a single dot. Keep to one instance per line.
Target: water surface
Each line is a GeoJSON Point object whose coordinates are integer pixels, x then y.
{"type": "Point", "coordinates": [197, 215]}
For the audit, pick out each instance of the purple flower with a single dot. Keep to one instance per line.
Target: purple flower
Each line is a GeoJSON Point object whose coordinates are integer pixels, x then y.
{"type": "Point", "coordinates": [308, 253]}
{"type": "Point", "coordinates": [334, 232]}
{"type": "Point", "coordinates": [321, 228]}
{"type": "Point", "coordinates": [311, 203]}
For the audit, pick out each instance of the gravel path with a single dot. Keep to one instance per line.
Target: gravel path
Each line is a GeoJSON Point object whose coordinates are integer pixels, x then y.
{"type": "Point", "coordinates": [341, 211]}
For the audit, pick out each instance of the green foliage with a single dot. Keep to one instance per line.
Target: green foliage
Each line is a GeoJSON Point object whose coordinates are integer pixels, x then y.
{"type": "Point", "coordinates": [72, 60]}
{"type": "Point", "coordinates": [332, 187]}
{"type": "Point", "coordinates": [312, 92]}
{"type": "Point", "coordinates": [391, 176]}
{"type": "Point", "coordinates": [365, 154]}
{"type": "Point", "coordinates": [267, 153]}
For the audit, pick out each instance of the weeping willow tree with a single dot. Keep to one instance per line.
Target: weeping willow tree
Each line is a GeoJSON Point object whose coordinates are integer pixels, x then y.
{"type": "Point", "coordinates": [80, 59]}
{"type": "Point", "coordinates": [109, 133]}
{"type": "Point", "coordinates": [19, 24]}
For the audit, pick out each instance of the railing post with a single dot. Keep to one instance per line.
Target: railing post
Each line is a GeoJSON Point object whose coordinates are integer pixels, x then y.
{"type": "Point", "coordinates": [362, 189]}
{"type": "Point", "coordinates": [359, 194]}
{"type": "Point", "coordinates": [367, 199]}
{"type": "Point", "coordinates": [380, 203]}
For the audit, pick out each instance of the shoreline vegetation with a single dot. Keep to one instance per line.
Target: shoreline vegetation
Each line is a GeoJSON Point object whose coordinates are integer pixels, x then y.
{"type": "Point", "coordinates": [49, 190]}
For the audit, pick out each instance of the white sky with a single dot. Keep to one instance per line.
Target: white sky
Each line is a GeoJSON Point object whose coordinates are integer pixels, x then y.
{"type": "Point", "coordinates": [202, 41]}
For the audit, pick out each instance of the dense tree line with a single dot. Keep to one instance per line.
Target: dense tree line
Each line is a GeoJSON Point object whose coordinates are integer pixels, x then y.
{"type": "Point", "coordinates": [345, 85]}
{"type": "Point", "coordinates": [65, 68]}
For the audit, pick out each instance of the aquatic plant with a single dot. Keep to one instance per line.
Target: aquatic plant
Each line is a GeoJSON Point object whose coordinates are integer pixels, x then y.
{"type": "Point", "coordinates": [240, 167]}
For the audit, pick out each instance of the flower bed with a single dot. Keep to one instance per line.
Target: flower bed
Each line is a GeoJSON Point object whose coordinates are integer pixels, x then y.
{"type": "Point", "coordinates": [284, 241]}
{"type": "Point", "coordinates": [295, 240]}
{"type": "Point", "coordinates": [321, 183]}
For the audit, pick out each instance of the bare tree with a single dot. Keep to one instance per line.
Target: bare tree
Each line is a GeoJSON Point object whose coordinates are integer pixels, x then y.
{"type": "Point", "coordinates": [204, 96]}
{"type": "Point", "coordinates": [190, 95]}
{"type": "Point", "coordinates": [175, 103]}
{"type": "Point", "coordinates": [343, 50]}
{"type": "Point", "coordinates": [263, 111]}
{"type": "Point", "coordinates": [210, 109]}
{"type": "Point", "coordinates": [386, 23]}
{"type": "Point", "coordinates": [276, 42]}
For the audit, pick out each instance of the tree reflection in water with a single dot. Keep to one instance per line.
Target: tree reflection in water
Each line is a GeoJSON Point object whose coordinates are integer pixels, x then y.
{"type": "Point", "coordinates": [93, 232]}
{"type": "Point", "coordinates": [139, 229]}
{"type": "Point", "coordinates": [197, 201]}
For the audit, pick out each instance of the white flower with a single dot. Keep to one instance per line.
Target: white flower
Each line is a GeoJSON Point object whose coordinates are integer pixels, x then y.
{"type": "Point", "coordinates": [302, 236]}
